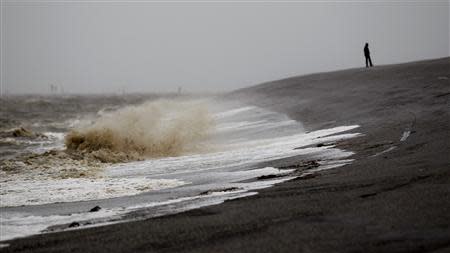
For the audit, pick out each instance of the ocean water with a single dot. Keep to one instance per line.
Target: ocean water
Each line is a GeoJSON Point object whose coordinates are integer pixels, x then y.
{"type": "Point", "coordinates": [169, 155]}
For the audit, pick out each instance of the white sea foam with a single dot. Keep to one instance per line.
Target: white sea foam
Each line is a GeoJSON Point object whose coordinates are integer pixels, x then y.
{"type": "Point", "coordinates": [405, 135]}
{"type": "Point", "coordinates": [234, 112]}
{"type": "Point", "coordinates": [34, 192]}
{"type": "Point", "coordinates": [384, 151]}
{"type": "Point", "coordinates": [242, 139]}
{"type": "Point", "coordinates": [16, 225]}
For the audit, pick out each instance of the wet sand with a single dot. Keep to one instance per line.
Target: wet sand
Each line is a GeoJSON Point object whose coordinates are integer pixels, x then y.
{"type": "Point", "coordinates": [393, 198]}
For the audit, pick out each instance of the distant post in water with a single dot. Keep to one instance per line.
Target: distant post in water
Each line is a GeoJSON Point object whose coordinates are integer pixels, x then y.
{"type": "Point", "coordinates": [367, 55]}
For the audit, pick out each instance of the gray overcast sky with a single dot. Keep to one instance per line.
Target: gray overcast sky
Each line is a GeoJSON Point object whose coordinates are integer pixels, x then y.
{"type": "Point", "coordinates": [156, 47]}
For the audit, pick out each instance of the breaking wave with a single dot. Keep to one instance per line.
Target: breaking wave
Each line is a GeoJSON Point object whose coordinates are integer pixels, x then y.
{"type": "Point", "coordinates": [159, 128]}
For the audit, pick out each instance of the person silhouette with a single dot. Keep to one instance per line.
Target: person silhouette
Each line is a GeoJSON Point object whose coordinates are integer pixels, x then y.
{"type": "Point", "coordinates": [367, 55]}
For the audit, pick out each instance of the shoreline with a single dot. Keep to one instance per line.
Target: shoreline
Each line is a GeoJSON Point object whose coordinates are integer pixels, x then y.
{"type": "Point", "coordinates": [396, 201]}
{"type": "Point", "coordinates": [37, 202]}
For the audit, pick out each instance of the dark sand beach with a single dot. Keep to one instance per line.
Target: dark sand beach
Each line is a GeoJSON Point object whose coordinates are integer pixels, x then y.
{"type": "Point", "coordinates": [394, 197]}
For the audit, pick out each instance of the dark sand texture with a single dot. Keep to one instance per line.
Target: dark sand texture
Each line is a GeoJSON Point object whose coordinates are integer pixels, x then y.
{"type": "Point", "coordinates": [398, 201]}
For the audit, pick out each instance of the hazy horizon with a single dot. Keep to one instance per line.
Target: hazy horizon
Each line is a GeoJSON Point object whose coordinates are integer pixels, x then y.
{"type": "Point", "coordinates": [139, 46]}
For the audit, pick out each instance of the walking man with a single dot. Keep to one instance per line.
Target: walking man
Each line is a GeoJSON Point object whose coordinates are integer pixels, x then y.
{"type": "Point", "coordinates": [367, 55]}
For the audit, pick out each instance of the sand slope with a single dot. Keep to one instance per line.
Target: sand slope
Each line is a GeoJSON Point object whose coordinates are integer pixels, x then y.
{"type": "Point", "coordinates": [393, 198]}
